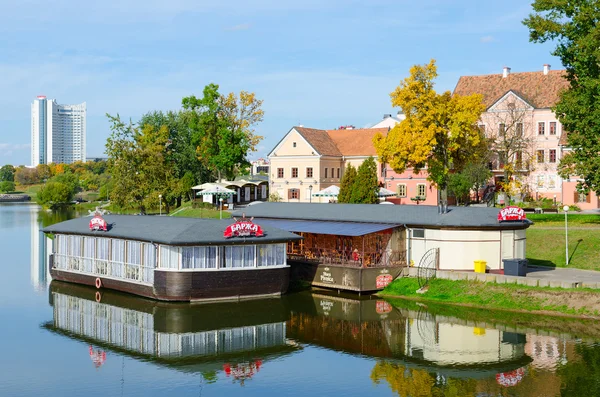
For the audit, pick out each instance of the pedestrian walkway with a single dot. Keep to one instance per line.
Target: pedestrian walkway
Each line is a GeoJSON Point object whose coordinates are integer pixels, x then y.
{"type": "Point", "coordinates": [537, 276]}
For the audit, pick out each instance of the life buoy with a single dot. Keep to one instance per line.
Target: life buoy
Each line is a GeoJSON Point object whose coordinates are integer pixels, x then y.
{"type": "Point", "coordinates": [98, 282]}
{"type": "Point", "coordinates": [98, 296]}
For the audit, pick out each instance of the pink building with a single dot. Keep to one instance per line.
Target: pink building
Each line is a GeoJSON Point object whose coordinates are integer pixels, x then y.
{"type": "Point", "coordinates": [520, 104]}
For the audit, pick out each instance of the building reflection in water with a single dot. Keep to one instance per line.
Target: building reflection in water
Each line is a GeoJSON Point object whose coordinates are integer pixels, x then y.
{"type": "Point", "coordinates": [418, 353]}
{"type": "Point", "coordinates": [40, 250]}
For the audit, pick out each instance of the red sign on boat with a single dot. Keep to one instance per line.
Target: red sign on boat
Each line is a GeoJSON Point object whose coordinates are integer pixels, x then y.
{"type": "Point", "coordinates": [511, 214]}
{"type": "Point", "coordinates": [98, 223]}
{"type": "Point", "coordinates": [243, 228]}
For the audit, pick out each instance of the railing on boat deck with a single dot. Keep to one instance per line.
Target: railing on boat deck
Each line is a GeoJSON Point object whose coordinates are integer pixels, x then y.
{"type": "Point", "coordinates": [106, 268]}
{"type": "Point", "coordinates": [351, 259]}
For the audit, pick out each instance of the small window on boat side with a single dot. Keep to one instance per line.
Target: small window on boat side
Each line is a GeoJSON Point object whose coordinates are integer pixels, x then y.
{"type": "Point", "coordinates": [418, 233]}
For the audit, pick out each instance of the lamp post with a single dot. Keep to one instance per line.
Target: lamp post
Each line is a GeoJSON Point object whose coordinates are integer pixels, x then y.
{"type": "Point", "coordinates": [220, 207]}
{"type": "Point", "coordinates": [566, 209]}
{"type": "Point", "coordinates": [160, 204]}
{"type": "Point", "coordinates": [310, 193]}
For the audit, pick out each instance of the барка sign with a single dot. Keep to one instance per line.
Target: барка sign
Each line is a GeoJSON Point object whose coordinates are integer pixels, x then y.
{"type": "Point", "coordinates": [511, 214]}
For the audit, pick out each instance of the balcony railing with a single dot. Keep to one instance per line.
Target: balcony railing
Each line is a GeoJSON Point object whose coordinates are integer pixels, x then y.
{"type": "Point", "coordinates": [349, 258]}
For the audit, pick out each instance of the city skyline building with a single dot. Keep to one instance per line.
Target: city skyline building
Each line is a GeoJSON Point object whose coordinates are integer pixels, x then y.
{"type": "Point", "coordinates": [58, 132]}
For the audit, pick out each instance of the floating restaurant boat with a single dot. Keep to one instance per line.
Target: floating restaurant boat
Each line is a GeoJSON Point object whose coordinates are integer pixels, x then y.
{"type": "Point", "coordinates": [172, 259]}
{"type": "Point", "coordinates": [364, 247]}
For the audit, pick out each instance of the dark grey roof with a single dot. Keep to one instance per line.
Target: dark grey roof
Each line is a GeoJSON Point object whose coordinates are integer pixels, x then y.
{"type": "Point", "coordinates": [169, 230]}
{"type": "Point", "coordinates": [410, 215]}
{"type": "Point", "coordinates": [335, 228]}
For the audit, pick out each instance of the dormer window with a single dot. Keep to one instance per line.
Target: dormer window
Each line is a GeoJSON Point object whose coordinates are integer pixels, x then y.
{"type": "Point", "coordinates": [294, 144]}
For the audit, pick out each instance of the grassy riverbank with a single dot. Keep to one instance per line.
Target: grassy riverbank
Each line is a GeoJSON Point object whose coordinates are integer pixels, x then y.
{"type": "Point", "coordinates": [574, 302]}
{"type": "Point", "coordinates": [546, 240]}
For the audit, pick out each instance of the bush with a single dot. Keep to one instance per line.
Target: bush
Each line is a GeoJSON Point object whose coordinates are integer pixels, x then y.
{"type": "Point", "coordinates": [7, 187]}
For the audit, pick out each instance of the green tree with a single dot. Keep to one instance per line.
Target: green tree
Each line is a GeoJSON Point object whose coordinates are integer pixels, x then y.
{"type": "Point", "coordinates": [55, 194]}
{"type": "Point", "coordinates": [459, 186]}
{"type": "Point", "coordinates": [478, 175]}
{"type": "Point", "coordinates": [7, 173]}
{"type": "Point", "coordinates": [139, 165]}
{"type": "Point", "coordinates": [7, 186]}
{"type": "Point", "coordinates": [347, 184]}
{"type": "Point", "coordinates": [26, 176]}
{"type": "Point", "coordinates": [222, 128]}
{"type": "Point", "coordinates": [573, 25]}
{"type": "Point", "coordinates": [366, 186]}
{"type": "Point", "coordinates": [439, 131]}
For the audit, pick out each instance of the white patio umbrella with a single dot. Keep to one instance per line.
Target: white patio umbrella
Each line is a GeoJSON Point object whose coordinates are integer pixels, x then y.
{"type": "Point", "coordinates": [385, 193]}
{"type": "Point", "coordinates": [331, 191]}
{"type": "Point", "coordinates": [216, 190]}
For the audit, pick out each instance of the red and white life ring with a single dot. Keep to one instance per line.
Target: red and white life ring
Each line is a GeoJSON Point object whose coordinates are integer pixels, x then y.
{"type": "Point", "coordinates": [98, 282]}
{"type": "Point", "coordinates": [98, 296]}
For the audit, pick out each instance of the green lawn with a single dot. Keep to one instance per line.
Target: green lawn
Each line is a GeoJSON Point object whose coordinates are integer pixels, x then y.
{"type": "Point", "coordinates": [498, 296]}
{"type": "Point", "coordinates": [558, 220]}
{"type": "Point", "coordinates": [190, 212]}
{"type": "Point", "coordinates": [546, 240]}
{"type": "Point", "coordinates": [547, 247]}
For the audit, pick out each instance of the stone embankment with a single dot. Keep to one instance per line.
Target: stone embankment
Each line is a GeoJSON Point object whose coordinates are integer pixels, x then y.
{"type": "Point", "coordinates": [14, 198]}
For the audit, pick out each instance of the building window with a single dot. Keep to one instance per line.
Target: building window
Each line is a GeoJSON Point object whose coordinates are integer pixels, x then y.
{"type": "Point", "coordinates": [401, 190]}
{"type": "Point", "coordinates": [541, 128]}
{"type": "Point", "coordinates": [294, 172]}
{"type": "Point", "coordinates": [338, 173]}
{"type": "Point", "coordinates": [553, 128]}
{"type": "Point", "coordinates": [294, 144]}
{"type": "Point", "coordinates": [501, 129]}
{"type": "Point", "coordinates": [383, 170]}
{"type": "Point", "coordinates": [332, 172]}
{"type": "Point", "coordinates": [309, 172]}
{"type": "Point", "coordinates": [519, 160]}
{"type": "Point", "coordinates": [482, 128]}
{"type": "Point", "coordinates": [421, 190]}
{"type": "Point", "coordinates": [519, 128]}
{"type": "Point", "coordinates": [294, 193]}
{"type": "Point", "coordinates": [326, 172]}
{"type": "Point", "coordinates": [582, 197]}
{"type": "Point", "coordinates": [552, 156]}
{"type": "Point", "coordinates": [540, 156]}
{"type": "Point", "coordinates": [279, 172]}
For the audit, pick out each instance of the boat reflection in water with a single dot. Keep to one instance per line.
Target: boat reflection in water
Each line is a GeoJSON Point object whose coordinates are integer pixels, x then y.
{"type": "Point", "coordinates": [235, 339]}
{"type": "Point", "coordinates": [209, 338]}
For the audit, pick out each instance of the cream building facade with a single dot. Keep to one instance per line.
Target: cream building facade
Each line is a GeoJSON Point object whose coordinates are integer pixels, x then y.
{"type": "Point", "coordinates": [307, 160]}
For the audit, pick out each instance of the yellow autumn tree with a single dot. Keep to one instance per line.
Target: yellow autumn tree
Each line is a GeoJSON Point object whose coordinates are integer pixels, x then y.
{"type": "Point", "coordinates": [439, 132]}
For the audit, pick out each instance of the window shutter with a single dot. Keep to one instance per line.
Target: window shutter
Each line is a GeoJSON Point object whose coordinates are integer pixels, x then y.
{"type": "Point", "coordinates": [588, 198]}
{"type": "Point", "coordinates": [289, 194]}
{"type": "Point", "coordinates": [575, 197]}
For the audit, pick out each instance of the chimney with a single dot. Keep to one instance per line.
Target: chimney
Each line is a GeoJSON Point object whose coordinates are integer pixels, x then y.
{"type": "Point", "coordinates": [385, 116]}
{"type": "Point", "coordinates": [505, 71]}
{"type": "Point", "coordinates": [546, 69]}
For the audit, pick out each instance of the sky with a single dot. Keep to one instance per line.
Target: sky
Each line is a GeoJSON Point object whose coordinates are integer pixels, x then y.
{"type": "Point", "coordinates": [315, 63]}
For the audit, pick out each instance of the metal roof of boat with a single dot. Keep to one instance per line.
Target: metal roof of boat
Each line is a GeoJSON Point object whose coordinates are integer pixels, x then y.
{"type": "Point", "coordinates": [335, 228]}
{"type": "Point", "coordinates": [169, 230]}
{"type": "Point", "coordinates": [410, 215]}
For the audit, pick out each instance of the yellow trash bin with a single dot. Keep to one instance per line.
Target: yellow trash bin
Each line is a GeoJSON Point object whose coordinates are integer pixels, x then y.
{"type": "Point", "coordinates": [480, 266]}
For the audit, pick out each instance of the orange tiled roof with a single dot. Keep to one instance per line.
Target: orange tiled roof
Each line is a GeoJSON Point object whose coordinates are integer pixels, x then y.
{"type": "Point", "coordinates": [563, 138]}
{"type": "Point", "coordinates": [539, 90]}
{"type": "Point", "coordinates": [320, 140]}
{"type": "Point", "coordinates": [356, 142]}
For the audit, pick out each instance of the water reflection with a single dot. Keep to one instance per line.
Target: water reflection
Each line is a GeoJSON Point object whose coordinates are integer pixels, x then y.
{"type": "Point", "coordinates": [222, 337]}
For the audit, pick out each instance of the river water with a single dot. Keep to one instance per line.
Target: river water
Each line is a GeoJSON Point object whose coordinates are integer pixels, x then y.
{"type": "Point", "coordinates": [58, 339]}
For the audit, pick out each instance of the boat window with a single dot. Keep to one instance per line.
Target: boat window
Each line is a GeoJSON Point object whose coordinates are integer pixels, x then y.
{"type": "Point", "coordinates": [61, 244]}
{"type": "Point", "coordinates": [271, 255]}
{"type": "Point", "coordinates": [149, 252]}
{"type": "Point", "coordinates": [118, 251]}
{"type": "Point", "coordinates": [418, 233]}
{"type": "Point", "coordinates": [169, 257]}
{"type": "Point", "coordinates": [237, 256]}
{"type": "Point", "coordinates": [199, 258]}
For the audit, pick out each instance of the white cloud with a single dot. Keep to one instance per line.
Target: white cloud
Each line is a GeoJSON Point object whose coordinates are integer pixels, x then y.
{"type": "Point", "coordinates": [487, 39]}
